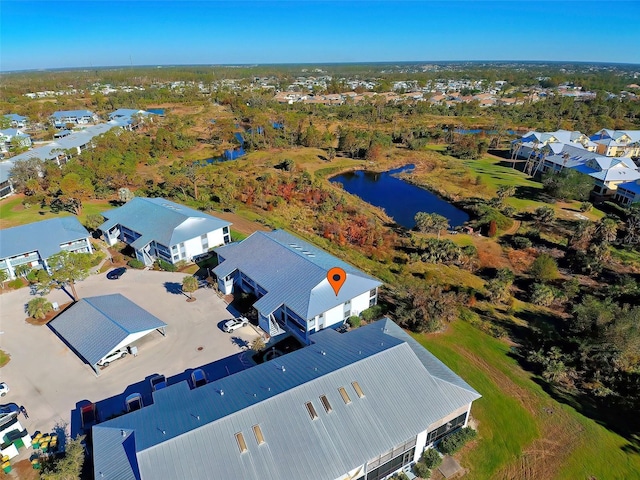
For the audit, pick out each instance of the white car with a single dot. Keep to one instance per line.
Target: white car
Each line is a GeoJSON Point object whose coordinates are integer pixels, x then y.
{"type": "Point", "coordinates": [111, 357]}
{"type": "Point", "coordinates": [4, 389]}
{"type": "Point", "coordinates": [235, 323]}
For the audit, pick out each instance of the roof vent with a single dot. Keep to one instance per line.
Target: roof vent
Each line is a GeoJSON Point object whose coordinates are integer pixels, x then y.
{"type": "Point", "coordinates": [123, 433]}
{"type": "Point", "coordinates": [221, 392]}
{"type": "Point", "coordinates": [283, 369]}
{"type": "Point", "coordinates": [322, 352]}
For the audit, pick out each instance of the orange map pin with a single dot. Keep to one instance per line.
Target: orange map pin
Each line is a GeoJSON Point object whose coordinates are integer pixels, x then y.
{"type": "Point", "coordinates": [336, 277]}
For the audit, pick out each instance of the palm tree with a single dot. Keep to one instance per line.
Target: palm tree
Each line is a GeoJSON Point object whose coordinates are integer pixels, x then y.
{"type": "Point", "coordinates": [39, 307]}
{"type": "Point", "coordinates": [189, 285]}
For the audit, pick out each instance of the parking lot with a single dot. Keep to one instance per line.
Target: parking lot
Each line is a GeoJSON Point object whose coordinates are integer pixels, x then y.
{"type": "Point", "coordinates": [50, 380]}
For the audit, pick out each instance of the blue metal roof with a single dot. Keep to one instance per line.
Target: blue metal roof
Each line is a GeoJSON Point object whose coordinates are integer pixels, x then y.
{"type": "Point", "coordinates": [14, 117]}
{"type": "Point", "coordinates": [94, 326]}
{"type": "Point", "coordinates": [164, 221]}
{"type": "Point", "coordinates": [633, 187]}
{"type": "Point", "coordinates": [72, 113]}
{"type": "Point", "coordinates": [191, 433]}
{"type": "Point", "coordinates": [293, 272]}
{"type": "Point", "coordinates": [44, 237]}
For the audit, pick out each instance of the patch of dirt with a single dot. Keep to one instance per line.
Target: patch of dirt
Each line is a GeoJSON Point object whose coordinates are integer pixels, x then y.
{"type": "Point", "coordinates": [23, 471]}
{"type": "Point", "coordinates": [490, 253]}
{"type": "Point", "coordinates": [242, 225]}
{"type": "Point", "coordinates": [48, 317]}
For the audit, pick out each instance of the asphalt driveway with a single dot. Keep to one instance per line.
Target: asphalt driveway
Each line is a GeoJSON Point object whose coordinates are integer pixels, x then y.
{"type": "Point", "coordinates": [51, 381]}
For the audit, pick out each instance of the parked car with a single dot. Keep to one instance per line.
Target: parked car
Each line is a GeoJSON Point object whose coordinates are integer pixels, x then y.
{"type": "Point", "coordinates": [158, 382]}
{"type": "Point", "coordinates": [234, 324]}
{"type": "Point", "coordinates": [198, 378]}
{"type": "Point", "coordinates": [116, 273]}
{"type": "Point", "coordinates": [133, 402]}
{"type": "Point", "coordinates": [8, 409]}
{"type": "Point", "coordinates": [111, 357]}
{"type": "Point", "coordinates": [4, 389]}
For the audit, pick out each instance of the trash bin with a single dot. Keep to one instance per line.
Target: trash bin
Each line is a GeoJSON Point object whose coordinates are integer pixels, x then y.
{"type": "Point", "coordinates": [6, 467]}
{"type": "Point", "coordinates": [133, 350]}
{"type": "Point", "coordinates": [44, 447]}
{"type": "Point", "coordinates": [35, 464]}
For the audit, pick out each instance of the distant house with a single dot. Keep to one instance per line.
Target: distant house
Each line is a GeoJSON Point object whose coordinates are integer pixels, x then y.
{"type": "Point", "coordinates": [13, 137]}
{"type": "Point", "coordinates": [289, 278]}
{"type": "Point", "coordinates": [607, 172]}
{"type": "Point", "coordinates": [161, 229]}
{"type": "Point", "coordinates": [355, 406]}
{"type": "Point", "coordinates": [80, 117]}
{"type": "Point", "coordinates": [94, 327]}
{"type": "Point", "coordinates": [34, 243]}
{"type": "Point", "coordinates": [531, 143]}
{"type": "Point", "coordinates": [617, 143]}
{"type": "Point", "coordinates": [129, 116]}
{"type": "Point", "coordinates": [58, 151]}
{"type": "Point", "coordinates": [17, 121]}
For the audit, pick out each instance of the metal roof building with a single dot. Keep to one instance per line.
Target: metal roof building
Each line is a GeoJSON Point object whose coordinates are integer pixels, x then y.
{"type": "Point", "coordinates": [96, 326]}
{"type": "Point", "coordinates": [358, 405]}
{"type": "Point", "coordinates": [34, 242]}
{"type": "Point", "coordinates": [283, 270]}
{"type": "Point", "coordinates": [160, 228]}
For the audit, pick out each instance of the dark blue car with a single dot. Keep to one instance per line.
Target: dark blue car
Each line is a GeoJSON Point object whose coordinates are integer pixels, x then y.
{"type": "Point", "coordinates": [116, 273]}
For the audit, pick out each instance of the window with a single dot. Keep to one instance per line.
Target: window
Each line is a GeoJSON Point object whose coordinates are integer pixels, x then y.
{"type": "Point", "coordinates": [311, 410]}
{"type": "Point", "coordinates": [241, 443]}
{"type": "Point", "coordinates": [344, 395]}
{"type": "Point", "coordinates": [257, 431]}
{"type": "Point", "coordinates": [373, 293]}
{"type": "Point", "coordinates": [325, 403]}
{"type": "Point", "coordinates": [356, 387]}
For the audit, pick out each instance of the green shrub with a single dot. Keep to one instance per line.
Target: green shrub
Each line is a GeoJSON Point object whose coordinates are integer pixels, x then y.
{"type": "Point", "coordinates": [16, 283]}
{"type": "Point", "coordinates": [431, 458]}
{"type": "Point", "coordinates": [372, 313]}
{"type": "Point", "coordinates": [135, 263]}
{"type": "Point", "coordinates": [421, 470]}
{"type": "Point", "coordinates": [521, 243]}
{"type": "Point", "coordinates": [354, 321]}
{"type": "Point", "coordinates": [454, 442]}
{"type": "Point", "coordinates": [586, 206]}
{"type": "Point", "coordinates": [96, 258]}
{"type": "Point", "coordinates": [400, 476]}
{"type": "Point", "coordinates": [166, 266]}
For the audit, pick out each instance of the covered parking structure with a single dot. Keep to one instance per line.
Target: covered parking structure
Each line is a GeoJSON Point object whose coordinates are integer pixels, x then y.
{"type": "Point", "coordinates": [94, 327]}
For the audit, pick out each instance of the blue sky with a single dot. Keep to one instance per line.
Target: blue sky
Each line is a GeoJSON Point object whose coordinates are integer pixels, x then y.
{"type": "Point", "coordinates": [66, 33]}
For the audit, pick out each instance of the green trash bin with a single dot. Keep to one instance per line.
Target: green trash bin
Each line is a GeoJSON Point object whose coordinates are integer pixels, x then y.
{"type": "Point", "coordinates": [6, 467]}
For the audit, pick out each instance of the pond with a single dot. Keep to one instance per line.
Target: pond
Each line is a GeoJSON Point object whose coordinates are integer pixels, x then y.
{"type": "Point", "coordinates": [399, 199]}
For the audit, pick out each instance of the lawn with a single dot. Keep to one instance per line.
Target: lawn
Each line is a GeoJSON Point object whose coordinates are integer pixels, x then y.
{"type": "Point", "coordinates": [524, 433]}
{"type": "Point", "coordinates": [13, 213]}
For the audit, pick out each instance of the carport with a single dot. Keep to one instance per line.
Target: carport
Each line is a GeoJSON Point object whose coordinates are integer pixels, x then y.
{"type": "Point", "coordinates": [94, 327]}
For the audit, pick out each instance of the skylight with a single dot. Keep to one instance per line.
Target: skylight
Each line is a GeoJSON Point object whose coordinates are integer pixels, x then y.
{"type": "Point", "coordinates": [344, 395]}
{"type": "Point", "coordinates": [325, 403]}
{"type": "Point", "coordinates": [312, 411]}
{"type": "Point", "coordinates": [242, 445]}
{"type": "Point", "coordinates": [358, 390]}
{"type": "Point", "coordinates": [257, 431]}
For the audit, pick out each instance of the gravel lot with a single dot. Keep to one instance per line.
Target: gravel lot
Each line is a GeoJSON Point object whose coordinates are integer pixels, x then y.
{"type": "Point", "coordinates": [51, 381]}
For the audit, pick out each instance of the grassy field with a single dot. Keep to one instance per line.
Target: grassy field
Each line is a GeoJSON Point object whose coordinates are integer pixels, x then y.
{"type": "Point", "coordinates": [524, 433]}
{"type": "Point", "coordinates": [13, 213]}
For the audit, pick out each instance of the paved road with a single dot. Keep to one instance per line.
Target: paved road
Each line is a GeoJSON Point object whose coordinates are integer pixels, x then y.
{"type": "Point", "coordinates": [50, 380]}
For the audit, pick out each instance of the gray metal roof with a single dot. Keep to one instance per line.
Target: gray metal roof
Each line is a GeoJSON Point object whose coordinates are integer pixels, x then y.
{"type": "Point", "coordinates": [191, 433]}
{"type": "Point", "coordinates": [293, 272]}
{"type": "Point", "coordinates": [164, 221]}
{"type": "Point", "coordinates": [94, 326]}
{"type": "Point", "coordinates": [44, 237]}
{"type": "Point", "coordinates": [53, 149]}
